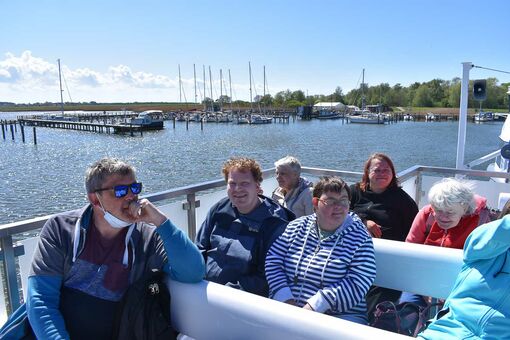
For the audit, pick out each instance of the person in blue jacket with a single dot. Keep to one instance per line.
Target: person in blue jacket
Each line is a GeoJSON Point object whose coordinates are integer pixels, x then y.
{"type": "Point", "coordinates": [87, 258]}
{"type": "Point", "coordinates": [478, 306]}
{"type": "Point", "coordinates": [239, 229]}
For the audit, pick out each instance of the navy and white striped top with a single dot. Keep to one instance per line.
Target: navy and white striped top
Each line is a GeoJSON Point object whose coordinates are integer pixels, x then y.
{"type": "Point", "coordinates": [333, 275]}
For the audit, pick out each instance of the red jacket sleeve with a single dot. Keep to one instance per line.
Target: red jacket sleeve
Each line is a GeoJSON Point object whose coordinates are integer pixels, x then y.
{"type": "Point", "coordinates": [418, 231]}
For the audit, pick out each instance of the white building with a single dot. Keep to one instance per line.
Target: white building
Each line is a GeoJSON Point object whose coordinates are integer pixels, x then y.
{"type": "Point", "coordinates": [337, 106]}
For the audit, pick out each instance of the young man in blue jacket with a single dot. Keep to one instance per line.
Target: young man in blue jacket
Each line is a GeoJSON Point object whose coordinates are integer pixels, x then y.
{"type": "Point", "coordinates": [87, 258]}
{"type": "Point", "coordinates": [239, 229]}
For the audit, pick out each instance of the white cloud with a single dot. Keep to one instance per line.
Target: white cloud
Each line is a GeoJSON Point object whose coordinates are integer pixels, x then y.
{"type": "Point", "coordinates": [27, 78]}
{"type": "Point", "coordinates": [122, 74]}
{"type": "Point", "coordinates": [27, 70]}
{"type": "Point", "coordinates": [85, 77]}
{"type": "Point", "coordinates": [4, 74]}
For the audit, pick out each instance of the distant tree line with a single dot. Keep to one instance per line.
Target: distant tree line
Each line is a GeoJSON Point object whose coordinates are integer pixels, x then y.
{"type": "Point", "coordinates": [434, 93]}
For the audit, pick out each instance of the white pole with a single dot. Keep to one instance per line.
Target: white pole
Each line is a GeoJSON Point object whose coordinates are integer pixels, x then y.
{"type": "Point", "coordinates": [230, 85]}
{"type": "Point", "coordinates": [180, 84]}
{"type": "Point", "coordinates": [221, 90]}
{"type": "Point", "coordinates": [251, 100]}
{"type": "Point", "coordinates": [195, 80]}
{"type": "Point", "coordinates": [461, 139]}
{"type": "Point", "coordinates": [61, 91]}
{"type": "Point", "coordinates": [205, 94]}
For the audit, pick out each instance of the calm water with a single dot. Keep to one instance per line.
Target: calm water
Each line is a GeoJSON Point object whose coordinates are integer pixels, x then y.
{"type": "Point", "coordinates": [46, 178]}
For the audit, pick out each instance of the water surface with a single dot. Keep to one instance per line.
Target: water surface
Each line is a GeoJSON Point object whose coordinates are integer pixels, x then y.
{"type": "Point", "coordinates": [48, 177]}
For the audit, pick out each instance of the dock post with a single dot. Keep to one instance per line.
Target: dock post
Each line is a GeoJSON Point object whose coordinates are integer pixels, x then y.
{"type": "Point", "coordinates": [174, 121]}
{"type": "Point", "coordinates": [35, 137]}
{"type": "Point", "coordinates": [22, 133]}
{"type": "Point", "coordinates": [12, 132]}
{"type": "Point", "coordinates": [131, 129]}
{"type": "Point", "coordinates": [187, 122]}
{"type": "Point", "coordinates": [3, 130]}
{"type": "Point", "coordinates": [202, 124]}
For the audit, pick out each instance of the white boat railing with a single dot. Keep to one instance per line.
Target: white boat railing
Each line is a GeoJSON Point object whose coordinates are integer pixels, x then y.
{"type": "Point", "coordinates": [211, 311]}
{"type": "Point", "coordinates": [190, 213]}
{"type": "Point", "coordinates": [484, 159]}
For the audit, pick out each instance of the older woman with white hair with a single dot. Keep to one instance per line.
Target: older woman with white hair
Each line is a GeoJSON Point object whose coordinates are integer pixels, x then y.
{"type": "Point", "coordinates": [294, 192]}
{"type": "Point", "coordinates": [453, 213]}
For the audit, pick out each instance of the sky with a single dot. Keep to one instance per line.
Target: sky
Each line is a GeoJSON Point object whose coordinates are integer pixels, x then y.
{"type": "Point", "coordinates": [126, 51]}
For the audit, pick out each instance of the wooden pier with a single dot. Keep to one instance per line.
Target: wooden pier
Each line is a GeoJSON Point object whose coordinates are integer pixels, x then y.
{"type": "Point", "coordinates": [82, 126]}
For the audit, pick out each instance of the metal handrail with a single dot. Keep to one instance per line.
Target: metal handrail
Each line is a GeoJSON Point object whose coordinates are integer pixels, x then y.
{"type": "Point", "coordinates": [484, 159]}
{"type": "Point", "coordinates": [190, 192]}
{"type": "Point", "coordinates": [406, 174]}
{"type": "Point", "coordinates": [37, 222]}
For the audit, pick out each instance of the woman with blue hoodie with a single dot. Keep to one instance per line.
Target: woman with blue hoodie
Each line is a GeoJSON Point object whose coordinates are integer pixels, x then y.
{"type": "Point", "coordinates": [478, 306]}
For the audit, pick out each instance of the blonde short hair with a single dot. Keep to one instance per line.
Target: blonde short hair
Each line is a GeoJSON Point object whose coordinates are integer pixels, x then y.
{"type": "Point", "coordinates": [242, 164]}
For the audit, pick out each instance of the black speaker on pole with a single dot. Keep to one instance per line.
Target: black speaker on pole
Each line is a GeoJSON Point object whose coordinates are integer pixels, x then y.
{"type": "Point", "coordinates": [479, 89]}
{"type": "Point", "coordinates": [505, 151]}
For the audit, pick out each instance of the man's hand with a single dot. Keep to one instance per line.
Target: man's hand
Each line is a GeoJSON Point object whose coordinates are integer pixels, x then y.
{"type": "Point", "coordinates": [374, 229]}
{"type": "Point", "coordinates": [144, 211]}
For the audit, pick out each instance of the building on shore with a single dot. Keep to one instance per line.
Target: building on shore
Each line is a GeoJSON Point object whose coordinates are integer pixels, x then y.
{"type": "Point", "coordinates": [332, 106]}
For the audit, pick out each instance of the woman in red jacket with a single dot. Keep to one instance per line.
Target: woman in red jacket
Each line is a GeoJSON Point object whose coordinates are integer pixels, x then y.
{"type": "Point", "coordinates": [453, 213]}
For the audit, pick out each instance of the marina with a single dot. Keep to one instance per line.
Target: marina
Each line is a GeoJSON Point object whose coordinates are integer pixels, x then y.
{"type": "Point", "coordinates": [129, 122]}
{"type": "Point", "coordinates": [168, 155]}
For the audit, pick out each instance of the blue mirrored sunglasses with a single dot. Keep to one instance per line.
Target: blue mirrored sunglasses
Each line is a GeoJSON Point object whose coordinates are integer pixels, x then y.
{"type": "Point", "coordinates": [122, 190]}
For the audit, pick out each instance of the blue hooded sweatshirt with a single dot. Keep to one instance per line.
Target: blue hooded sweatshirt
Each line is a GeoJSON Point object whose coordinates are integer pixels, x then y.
{"type": "Point", "coordinates": [478, 306]}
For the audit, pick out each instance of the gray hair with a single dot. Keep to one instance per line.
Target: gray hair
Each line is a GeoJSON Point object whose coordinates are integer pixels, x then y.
{"type": "Point", "coordinates": [291, 162]}
{"type": "Point", "coordinates": [99, 172]}
{"type": "Point", "coordinates": [449, 192]}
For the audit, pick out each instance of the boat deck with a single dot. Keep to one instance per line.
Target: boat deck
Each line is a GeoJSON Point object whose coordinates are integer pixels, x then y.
{"type": "Point", "coordinates": [415, 268]}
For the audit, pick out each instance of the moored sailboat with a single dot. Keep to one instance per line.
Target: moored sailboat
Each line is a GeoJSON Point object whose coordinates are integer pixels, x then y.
{"type": "Point", "coordinates": [364, 116]}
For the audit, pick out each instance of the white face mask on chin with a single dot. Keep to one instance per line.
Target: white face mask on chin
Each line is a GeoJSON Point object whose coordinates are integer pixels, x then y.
{"type": "Point", "coordinates": [114, 221]}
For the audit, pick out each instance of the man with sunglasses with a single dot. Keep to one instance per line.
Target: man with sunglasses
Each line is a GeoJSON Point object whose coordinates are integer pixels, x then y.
{"type": "Point", "coordinates": [87, 258]}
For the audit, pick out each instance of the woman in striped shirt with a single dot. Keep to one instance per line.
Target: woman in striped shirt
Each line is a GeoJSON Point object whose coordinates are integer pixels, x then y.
{"type": "Point", "coordinates": [325, 261]}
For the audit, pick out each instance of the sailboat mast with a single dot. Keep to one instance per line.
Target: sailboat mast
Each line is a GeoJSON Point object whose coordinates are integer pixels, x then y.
{"type": "Point", "coordinates": [264, 80]}
{"type": "Point", "coordinates": [221, 90]}
{"type": "Point", "coordinates": [205, 94]}
{"type": "Point", "coordinates": [61, 91]}
{"type": "Point", "coordinates": [195, 80]}
{"type": "Point", "coordinates": [210, 84]}
{"type": "Point", "coordinates": [263, 98]}
{"type": "Point", "coordinates": [251, 99]}
{"type": "Point", "coordinates": [180, 84]}
{"type": "Point", "coordinates": [363, 91]}
{"type": "Point", "coordinates": [230, 85]}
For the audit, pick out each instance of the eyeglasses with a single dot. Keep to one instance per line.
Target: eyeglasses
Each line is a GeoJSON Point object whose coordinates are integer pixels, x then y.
{"type": "Point", "coordinates": [330, 202]}
{"type": "Point", "coordinates": [380, 171]}
{"type": "Point", "coordinates": [122, 190]}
